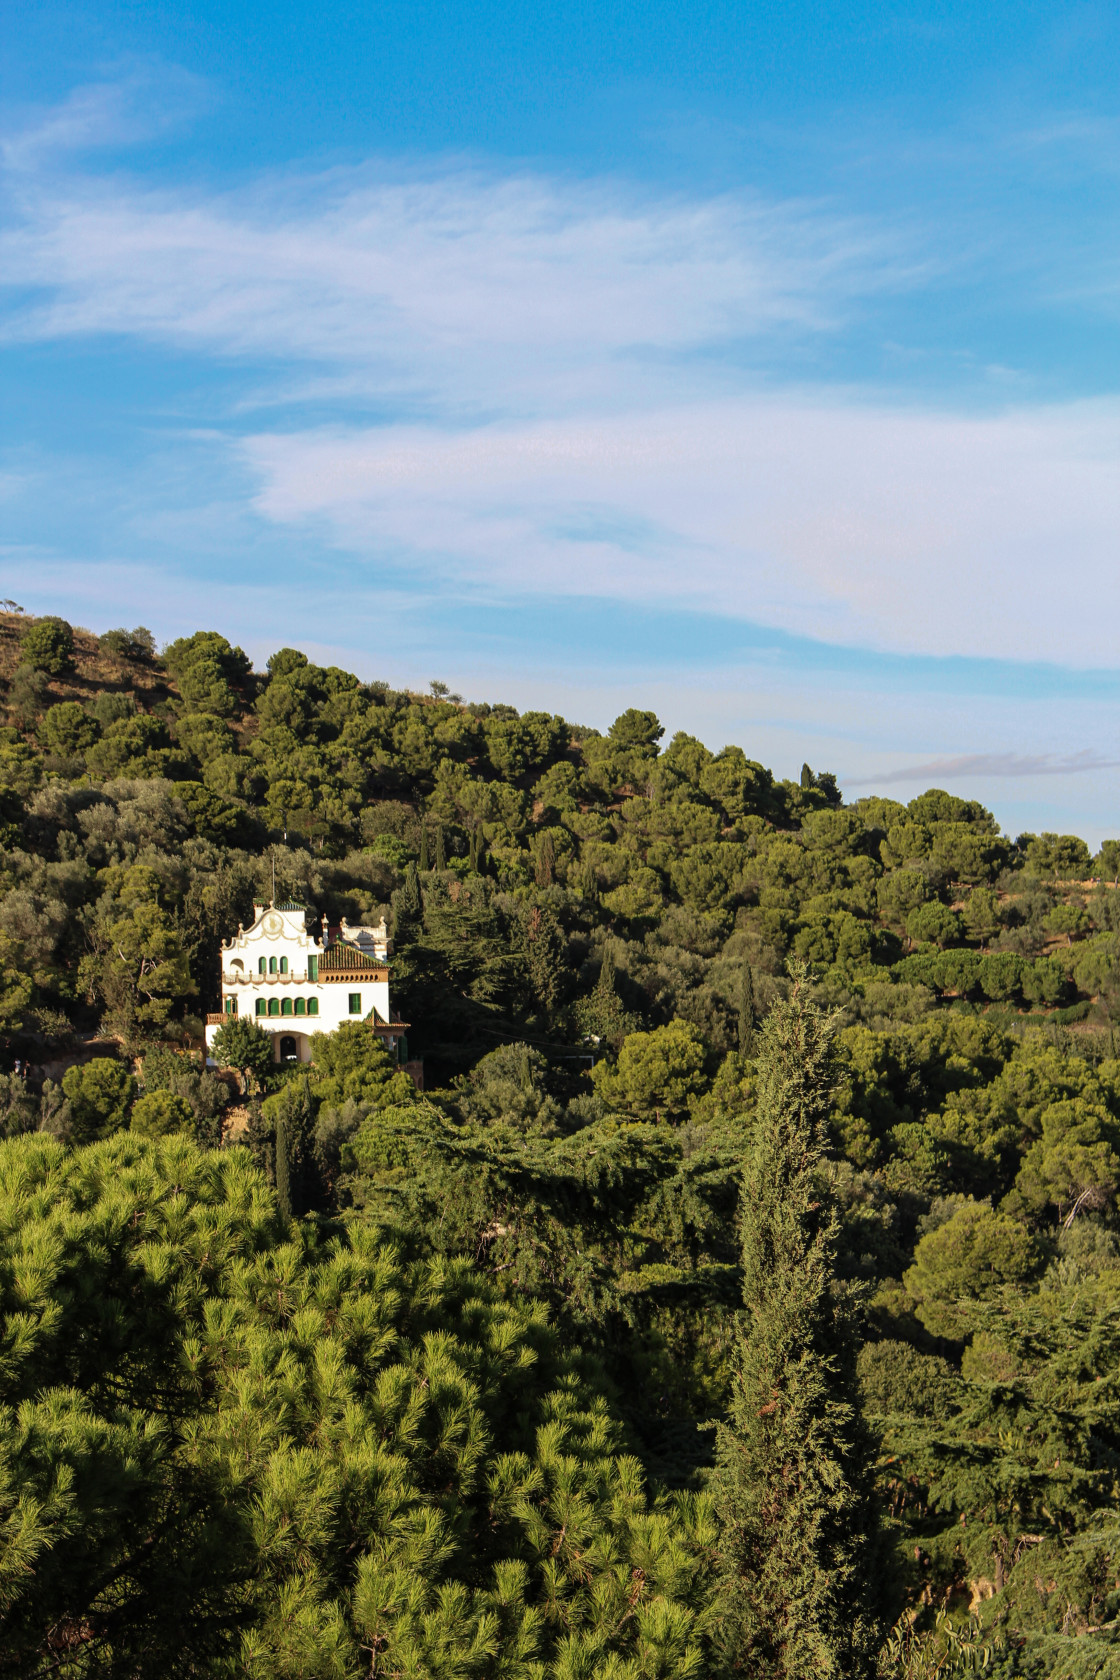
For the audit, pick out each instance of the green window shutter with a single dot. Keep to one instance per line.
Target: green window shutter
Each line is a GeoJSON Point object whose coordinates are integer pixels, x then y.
{"type": "Point", "coordinates": [355, 1003]}
{"type": "Point", "coordinates": [260, 1006]}
{"type": "Point", "coordinates": [283, 965]}
{"type": "Point", "coordinates": [301, 1007]}
{"type": "Point", "coordinates": [313, 1006]}
{"type": "Point", "coordinates": [313, 968]}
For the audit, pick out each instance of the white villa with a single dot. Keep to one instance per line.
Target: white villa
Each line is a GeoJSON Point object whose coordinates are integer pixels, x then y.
{"type": "Point", "coordinates": [295, 982]}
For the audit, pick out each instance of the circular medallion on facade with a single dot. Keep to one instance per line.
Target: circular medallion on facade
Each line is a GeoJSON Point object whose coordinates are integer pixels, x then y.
{"type": "Point", "coordinates": [273, 923]}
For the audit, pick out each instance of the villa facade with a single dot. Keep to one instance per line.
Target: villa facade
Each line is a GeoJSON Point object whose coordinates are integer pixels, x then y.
{"type": "Point", "coordinates": [294, 980]}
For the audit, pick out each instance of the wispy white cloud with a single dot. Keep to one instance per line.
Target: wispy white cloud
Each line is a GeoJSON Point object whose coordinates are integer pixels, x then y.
{"type": "Point", "coordinates": [562, 371]}
{"type": "Point", "coordinates": [142, 100]}
{"type": "Point", "coordinates": [460, 287]}
{"type": "Point", "coordinates": [1001, 764]}
{"type": "Point", "coordinates": [826, 516]}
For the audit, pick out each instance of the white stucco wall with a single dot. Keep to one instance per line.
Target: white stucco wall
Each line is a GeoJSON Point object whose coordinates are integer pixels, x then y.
{"type": "Point", "coordinates": [279, 940]}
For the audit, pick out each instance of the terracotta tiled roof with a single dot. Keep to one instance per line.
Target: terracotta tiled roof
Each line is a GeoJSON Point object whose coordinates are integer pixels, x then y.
{"type": "Point", "coordinates": [342, 958]}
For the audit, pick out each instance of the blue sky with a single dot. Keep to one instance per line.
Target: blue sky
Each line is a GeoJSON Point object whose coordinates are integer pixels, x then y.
{"type": "Point", "coordinates": [759, 364]}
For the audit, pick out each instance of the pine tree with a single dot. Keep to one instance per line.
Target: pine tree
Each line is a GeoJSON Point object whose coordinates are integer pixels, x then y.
{"type": "Point", "coordinates": [283, 1184]}
{"type": "Point", "coordinates": [331, 1462]}
{"type": "Point", "coordinates": [793, 1487]}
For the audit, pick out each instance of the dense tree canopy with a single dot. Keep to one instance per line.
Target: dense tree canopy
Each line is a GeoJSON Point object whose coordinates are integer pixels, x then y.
{"type": "Point", "coordinates": [503, 1321]}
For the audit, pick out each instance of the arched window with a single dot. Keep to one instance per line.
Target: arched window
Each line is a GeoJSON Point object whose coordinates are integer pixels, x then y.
{"type": "Point", "coordinates": [313, 1006]}
{"type": "Point", "coordinates": [283, 965]}
{"type": "Point", "coordinates": [286, 1006]}
{"type": "Point", "coordinates": [288, 1050]}
{"type": "Point", "coordinates": [301, 1007]}
{"type": "Point", "coordinates": [262, 967]}
{"type": "Point", "coordinates": [274, 1006]}
{"type": "Point", "coordinates": [272, 965]}
{"type": "Point", "coordinates": [260, 1006]}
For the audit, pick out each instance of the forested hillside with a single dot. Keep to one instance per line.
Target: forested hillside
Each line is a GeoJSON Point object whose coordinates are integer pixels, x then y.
{"type": "Point", "coordinates": [349, 1379]}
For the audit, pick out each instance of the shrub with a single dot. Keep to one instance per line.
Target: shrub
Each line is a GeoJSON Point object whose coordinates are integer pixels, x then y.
{"type": "Point", "coordinates": [239, 1043]}
{"type": "Point", "coordinates": [159, 1113]}
{"type": "Point", "coordinates": [128, 644]}
{"type": "Point", "coordinates": [99, 1095]}
{"type": "Point", "coordinates": [657, 1071]}
{"type": "Point", "coordinates": [68, 729]}
{"type": "Point", "coordinates": [967, 1257]}
{"type": "Point", "coordinates": [48, 645]}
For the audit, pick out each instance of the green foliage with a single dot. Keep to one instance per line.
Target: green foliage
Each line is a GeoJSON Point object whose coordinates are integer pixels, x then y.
{"type": "Point", "coordinates": [973, 1252]}
{"type": "Point", "coordinates": [1063, 855]}
{"type": "Point", "coordinates": [47, 645]}
{"type": "Point", "coordinates": [352, 1064]}
{"type": "Point", "coordinates": [596, 898]}
{"type": "Point", "coordinates": [446, 1495]}
{"type": "Point", "coordinates": [186, 1077]}
{"type": "Point", "coordinates": [509, 1086]}
{"type": "Point", "coordinates": [797, 1524]}
{"type": "Point", "coordinates": [239, 1043]}
{"type": "Point", "coordinates": [936, 923]}
{"type": "Point", "coordinates": [159, 1113]}
{"type": "Point", "coordinates": [138, 644]}
{"type": "Point", "coordinates": [68, 729]}
{"type": "Point", "coordinates": [100, 1094]}
{"type": "Point", "coordinates": [656, 1072]}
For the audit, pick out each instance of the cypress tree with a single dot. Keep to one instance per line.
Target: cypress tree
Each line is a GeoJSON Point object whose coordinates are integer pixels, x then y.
{"type": "Point", "coordinates": [424, 863]}
{"type": "Point", "coordinates": [746, 1011]}
{"type": "Point", "coordinates": [798, 1546]}
{"type": "Point", "coordinates": [546, 861]}
{"type": "Point", "coordinates": [408, 906]}
{"type": "Point", "coordinates": [474, 851]}
{"type": "Point", "coordinates": [441, 850]}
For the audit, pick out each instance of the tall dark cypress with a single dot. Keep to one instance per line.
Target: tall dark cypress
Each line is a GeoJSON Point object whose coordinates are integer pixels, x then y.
{"type": "Point", "coordinates": [746, 1011]}
{"type": "Point", "coordinates": [441, 848]}
{"type": "Point", "coordinates": [424, 864]}
{"type": "Point", "coordinates": [798, 1570]}
{"type": "Point", "coordinates": [408, 907]}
